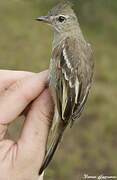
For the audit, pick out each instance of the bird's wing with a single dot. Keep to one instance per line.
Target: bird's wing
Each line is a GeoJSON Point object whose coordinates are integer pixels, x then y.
{"type": "Point", "coordinates": [74, 78]}
{"type": "Point", "coordinates": [65, 80]}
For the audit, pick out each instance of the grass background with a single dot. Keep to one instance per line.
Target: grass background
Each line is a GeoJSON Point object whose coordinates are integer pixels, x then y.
{"type": "Point", "coordinates": [90, 147]}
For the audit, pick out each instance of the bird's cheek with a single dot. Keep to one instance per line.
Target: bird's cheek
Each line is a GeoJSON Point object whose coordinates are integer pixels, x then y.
{"type": "Point", "coordinates": [52, 27]}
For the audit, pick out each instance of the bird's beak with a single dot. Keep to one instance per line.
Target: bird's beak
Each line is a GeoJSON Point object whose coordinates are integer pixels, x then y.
{"type": "Point", "coordinates": [44, 19]}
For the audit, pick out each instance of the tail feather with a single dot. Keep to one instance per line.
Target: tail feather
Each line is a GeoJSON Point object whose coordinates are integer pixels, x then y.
{"type": "Point", "coordinates": [51, 151]}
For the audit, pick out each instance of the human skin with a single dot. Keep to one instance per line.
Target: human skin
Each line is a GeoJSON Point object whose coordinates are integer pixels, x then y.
{"type": "Point", "coordinates": [24, 92]}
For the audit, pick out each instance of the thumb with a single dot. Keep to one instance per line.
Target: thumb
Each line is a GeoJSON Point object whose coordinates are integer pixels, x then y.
{"type": "Point", "coordinates": [36, 128]}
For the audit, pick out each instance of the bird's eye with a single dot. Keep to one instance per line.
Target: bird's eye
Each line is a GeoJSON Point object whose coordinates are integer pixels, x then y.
{"type": "Point", "coordinates": [61, 19]}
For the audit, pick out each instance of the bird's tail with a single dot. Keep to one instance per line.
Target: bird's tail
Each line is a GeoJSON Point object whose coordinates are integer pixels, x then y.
{"type": "Point", "coordinates": [52, 148]}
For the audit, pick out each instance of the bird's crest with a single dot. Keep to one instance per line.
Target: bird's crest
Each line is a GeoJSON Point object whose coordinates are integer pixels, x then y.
{"type": "Point", "coordinates": [63, 7]}
{"type": "Point", "coordinates": [65, 4]}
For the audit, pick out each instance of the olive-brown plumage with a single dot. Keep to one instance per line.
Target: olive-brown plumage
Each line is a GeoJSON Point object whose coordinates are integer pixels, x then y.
{"type": "Point", "coordinates": [71, 71]}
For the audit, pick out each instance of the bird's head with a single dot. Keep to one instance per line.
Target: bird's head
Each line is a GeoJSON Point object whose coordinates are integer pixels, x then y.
{"type": "Point", "coordinates": [61, 18]}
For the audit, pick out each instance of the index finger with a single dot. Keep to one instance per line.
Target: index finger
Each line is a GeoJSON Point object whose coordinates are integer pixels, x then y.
{"type": "Point", "coordinates": [14, 100]}
{"type": "Point", "coordinates": [8, 77]}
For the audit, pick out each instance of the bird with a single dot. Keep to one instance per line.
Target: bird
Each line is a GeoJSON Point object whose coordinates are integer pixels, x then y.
{"type": "Point", "coordinates": [70, 72]}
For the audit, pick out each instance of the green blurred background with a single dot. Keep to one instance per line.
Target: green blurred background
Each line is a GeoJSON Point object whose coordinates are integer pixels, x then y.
{"type": "Point", "coordinates": [90, 147]}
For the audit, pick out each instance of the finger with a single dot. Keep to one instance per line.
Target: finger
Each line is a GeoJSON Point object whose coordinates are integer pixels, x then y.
{"type": "Point", "coordinates": [8, 77]}
{"type": "Point", "coordinates": [36, 128]}
{"type": "Point", "coordinates": [14, 100]}
{"type": "Point", "coordinates": [10, 74]}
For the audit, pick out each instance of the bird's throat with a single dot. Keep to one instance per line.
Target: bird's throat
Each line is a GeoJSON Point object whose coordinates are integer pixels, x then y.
{"type": "Point", "coordinates": [57, 39]}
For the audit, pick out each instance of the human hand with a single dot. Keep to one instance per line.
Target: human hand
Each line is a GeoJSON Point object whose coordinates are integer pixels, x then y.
{"type": "Point", "coordinates": [22, 160]}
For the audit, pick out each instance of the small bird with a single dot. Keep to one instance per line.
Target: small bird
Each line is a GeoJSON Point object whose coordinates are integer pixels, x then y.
{"type": "Point", "coordinates": [71, 71]}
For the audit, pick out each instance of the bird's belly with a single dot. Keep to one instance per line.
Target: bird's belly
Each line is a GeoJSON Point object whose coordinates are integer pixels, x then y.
{"type": "Point", "coordinates": [52, 79]}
